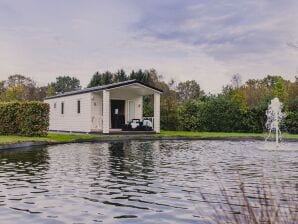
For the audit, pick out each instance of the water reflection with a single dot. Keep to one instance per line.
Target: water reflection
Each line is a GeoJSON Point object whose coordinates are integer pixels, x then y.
{"type": "Point", "coordinates": [129, 159]}
{"type": "Point", "coordinates": [135, 182]}
{"type": "Point", "coordinates": [19, 160]}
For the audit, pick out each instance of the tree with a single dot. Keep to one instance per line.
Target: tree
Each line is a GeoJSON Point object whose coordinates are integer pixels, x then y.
{"type": "Point", "coordinates": [18, 87]}
{"type": "Point", "coordinates": [18, 80]}
{"type": "Point", "coordinates": [64, 84]}
{"type": "Point", "coordinates": [51, 90]}
{"type": "Point", "coordinates": [140, 75]}
{"type": "Point", "coordinates": [120, 76]}
{"type": "Point", "coordinates": [2, 88]}
{"type": "Point", "coordinates": [236, 81]}
{"type": "Point", "coordinates": [189, 90]}
{"type": "Point", "coordinates": [190, 115]}
{"type": "Point", "coordinates": [99, 79]}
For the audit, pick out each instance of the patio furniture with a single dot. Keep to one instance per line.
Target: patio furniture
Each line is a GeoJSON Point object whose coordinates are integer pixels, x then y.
{"type": "Point", "coordinates": [138, 125]}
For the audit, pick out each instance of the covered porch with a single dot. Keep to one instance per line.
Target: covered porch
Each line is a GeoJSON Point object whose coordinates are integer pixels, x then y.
{"type": "Point", "coordinates": [120, 106]}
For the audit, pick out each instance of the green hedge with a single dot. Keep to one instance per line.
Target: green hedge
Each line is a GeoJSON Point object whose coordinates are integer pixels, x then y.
{"type": "Point", "coordinates": [24, 118]}
{"type": "Point", "coordinates": [218, 114]}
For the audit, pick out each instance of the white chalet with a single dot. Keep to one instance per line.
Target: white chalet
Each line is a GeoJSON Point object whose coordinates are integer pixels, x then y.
{"type": "Point", "coordinates": [102, 109]}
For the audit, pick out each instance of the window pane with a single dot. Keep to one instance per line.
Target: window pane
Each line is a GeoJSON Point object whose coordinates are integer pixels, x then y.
{"type": "Point", "coordinates": [79, 107]}
{"type": "Point", "coordinates": [62, 108]}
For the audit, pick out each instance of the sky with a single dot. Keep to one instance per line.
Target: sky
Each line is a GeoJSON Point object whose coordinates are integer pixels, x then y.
{"type": "Point", "coordinates": [205, 40]}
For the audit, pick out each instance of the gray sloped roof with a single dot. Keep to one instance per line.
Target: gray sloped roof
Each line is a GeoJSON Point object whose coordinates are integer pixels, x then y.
{"type": "Point", "coordinates": [104, 87]}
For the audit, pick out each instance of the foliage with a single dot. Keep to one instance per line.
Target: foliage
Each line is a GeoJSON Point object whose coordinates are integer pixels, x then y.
{"type": "Point", "coordinates": [21, 88]}
{"type": "Point", "coordinates": [221, 114]}
{"type": "Point", "coordinates": [190, 116]}
{"type": "Point", "coordinates": [63, 84]}
{"type": "Point", "coordinates": [24, 118]}
{"type": "Point", "coordinates": [254, 118]}
{"type": "Point", "coordinates": [100, 79]}
{"type": "Point", "coordinates": [146, 76]}
{"type": "Point", "coordinates": [189, 90]}
{"type": "Point", "coordinates": [291, 122]}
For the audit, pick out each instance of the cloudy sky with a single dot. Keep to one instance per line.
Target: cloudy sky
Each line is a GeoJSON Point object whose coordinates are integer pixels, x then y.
{"type": "Point", "coordinates": [205, 40]}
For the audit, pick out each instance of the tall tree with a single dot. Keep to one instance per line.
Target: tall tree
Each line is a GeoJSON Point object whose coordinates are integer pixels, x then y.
{"type": "Point", "coordinates": [19, 87]}
{"type": "Point", "coordinates": [99, 79]}
{"type": "Point", "coordinates": [64, 84]}
{"type": "Point", "coordinates": [236, 81]}
{"type": "Point", "coordinates": [120, 76]}
{"type": "Point", "coordinates": [2, 88]}
{"type": "Point", "coordinates": [189, 90]}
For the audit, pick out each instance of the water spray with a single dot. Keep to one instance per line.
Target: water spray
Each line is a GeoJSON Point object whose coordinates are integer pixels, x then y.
{"type": "Point", "coordinates": [274, 118]}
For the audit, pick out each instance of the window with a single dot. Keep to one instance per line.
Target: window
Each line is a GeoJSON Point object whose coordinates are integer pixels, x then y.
{"type": "Point", "coordinates": [79, 106]}
{"type": "Point", "coordinates": [62, 107]}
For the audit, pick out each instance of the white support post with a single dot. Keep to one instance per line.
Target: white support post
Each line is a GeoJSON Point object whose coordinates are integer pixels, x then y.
{"type": "Point", "coordinates": [106, 112]}
{"type": "Point", "coordinates": [157, 112]}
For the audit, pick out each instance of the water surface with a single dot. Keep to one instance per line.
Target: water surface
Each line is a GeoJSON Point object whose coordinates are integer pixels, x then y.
{"type": "Point", "coordinates": [134, 182]}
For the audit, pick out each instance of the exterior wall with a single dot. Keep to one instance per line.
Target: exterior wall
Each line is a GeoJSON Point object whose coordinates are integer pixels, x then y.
{"type": "Point", "coordinates": [157, 112]}
{"type": "Point", "coordinates": [106, 111]}
{"type": "Point", "coordinates": [70, 120]}
{"type": "Point", "coordinates": [96, 111]}
{"type": "Point", "coordinates": [139, 107]}
{"type": "Point", "coordinates": [138, 101]}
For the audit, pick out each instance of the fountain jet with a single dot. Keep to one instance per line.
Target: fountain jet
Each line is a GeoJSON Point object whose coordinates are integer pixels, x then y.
{"type": "Point", "coordinates": [274, 118]}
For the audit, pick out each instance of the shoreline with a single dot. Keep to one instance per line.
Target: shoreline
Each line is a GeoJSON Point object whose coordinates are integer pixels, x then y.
{"type": "Point", "coordinates": [111, 138]}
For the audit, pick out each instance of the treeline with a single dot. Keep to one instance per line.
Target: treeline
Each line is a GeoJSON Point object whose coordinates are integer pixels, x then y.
{"type": "Point", "coordinates": [240, 107]}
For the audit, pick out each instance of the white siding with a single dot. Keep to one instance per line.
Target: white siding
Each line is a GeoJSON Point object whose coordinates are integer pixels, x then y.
{"type": "Point", "coordinates": [96, 111]}
{"type": "Point", "coordinates": [94, 115]}
{"type": "Point", "coordinates": [138, 112]}
{"type": "Point", "coordinates": [70, 120]}
{"type": "Point", "coordinates": [106, 111]}
{"type": "Point", "coordinates": [139, 107]}
{"type": "Point", "coordinates": [157, 112]}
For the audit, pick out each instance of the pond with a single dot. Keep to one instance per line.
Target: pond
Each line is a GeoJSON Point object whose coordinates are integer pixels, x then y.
{"type": "Point", "coordinates": [134, 181]}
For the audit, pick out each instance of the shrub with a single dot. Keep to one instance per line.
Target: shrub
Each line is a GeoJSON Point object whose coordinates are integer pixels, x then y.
{"type": "Point", "coordinates": [24, 118]}
{"type": "Point", "coordinates": [291, 122]}
{"type": "Point", "coordinates": [190, 118]}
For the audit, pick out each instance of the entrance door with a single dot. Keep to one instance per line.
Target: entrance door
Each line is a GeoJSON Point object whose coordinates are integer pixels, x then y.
{"type": "Point", "coordinates": [117, 113]}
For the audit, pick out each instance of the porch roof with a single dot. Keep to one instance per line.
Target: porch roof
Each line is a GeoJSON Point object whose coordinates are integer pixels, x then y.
{"type": "Point", "coordinates": [107, 87]}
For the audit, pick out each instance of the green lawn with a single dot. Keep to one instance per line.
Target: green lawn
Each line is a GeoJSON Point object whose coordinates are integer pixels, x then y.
{"type": "Point", "coordinates": [209, 134]}
{"type": "Point", "coordinates": [10, 139]}
{"type": "Point", "coordinates": [220, 134]}
{"type": "Point", "coordinates": [55, 137]}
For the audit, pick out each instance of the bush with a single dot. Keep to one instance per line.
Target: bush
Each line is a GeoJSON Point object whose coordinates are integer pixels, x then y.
{"type": "Point", "coordinates": [24, 118]}
{"type": "Point", "coordinates": [291, 122]}
{"type": "Point", "coordinates": [190, 118]}
{"type": "Point", "coordinates": [221, 115]}
{"type": "Point", "coordinates": [254, 118]}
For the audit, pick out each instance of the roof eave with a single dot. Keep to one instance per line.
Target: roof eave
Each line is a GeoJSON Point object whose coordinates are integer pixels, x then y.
{"type": "Point", "coordinates": [101, 88]}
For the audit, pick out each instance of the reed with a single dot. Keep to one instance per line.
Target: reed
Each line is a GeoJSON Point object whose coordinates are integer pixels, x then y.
{"type": "Point", "coordinates": [261, 205]}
